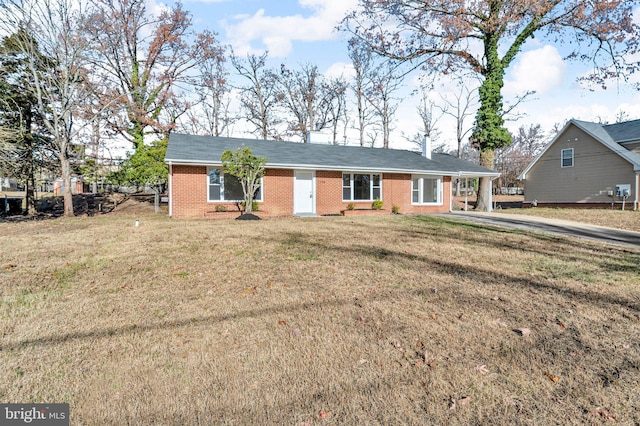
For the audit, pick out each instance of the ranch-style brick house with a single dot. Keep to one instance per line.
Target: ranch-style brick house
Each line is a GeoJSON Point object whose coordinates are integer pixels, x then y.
{"type": "Point", "coordinates": [587, 165]}
{"type": "Point", "coordinates": [308, 179]}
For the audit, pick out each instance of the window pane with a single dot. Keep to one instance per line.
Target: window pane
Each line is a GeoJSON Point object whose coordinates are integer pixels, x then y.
{"type": "Point", "coordinates": [346, 193]}
{"type": "Point", "coordinates": [415, 191]}
{"type": "Point", "coordinates": [258, 194]}
{"type": "Point", "coordinates": [376, 180]}
{"type": "Point", "coordinates": [361, 187]}
{"type": "Point", "coordinates": [346, 186]}
{"type": "Point", "coordinates": [214, 192]}
{"type": "Point", "coordinates": [232, 189]}
{"type": "Point", "coordinates": [376, 193]}
{"type": "Point", "coordinates": [214, 184]}
{"type": "Point", "coordinates": [567, 157]}
{"type": "Point", "coordinates": [214, 176]}
{"type": "Point", "coordinates": [429, 190]}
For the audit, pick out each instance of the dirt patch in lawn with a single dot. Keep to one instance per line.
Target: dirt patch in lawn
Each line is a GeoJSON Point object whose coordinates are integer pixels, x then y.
{"type": "Point", "coordinates": [368, 320]}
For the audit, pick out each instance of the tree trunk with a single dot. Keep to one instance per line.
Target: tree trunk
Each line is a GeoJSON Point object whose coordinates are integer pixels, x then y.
{"type": "Point", "coordinates": [136, 132]}
{"type": "Point", "coordinates": [30, 185]}
{"type": "Point", "coordinates": [65, 166]}
{"type": "Point", "coordinates": [483, 203]}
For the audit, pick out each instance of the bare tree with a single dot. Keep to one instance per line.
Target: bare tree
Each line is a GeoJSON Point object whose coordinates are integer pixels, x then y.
{"type": "Point", "coordinates": [145, 59]}
{"type": "Point", "coordinates": [362, 61]}
{"type": "Point", "coordinates": [460, 106]}
{"type": "Point", "coordinates": [60, 84]}
{"type": "Point", "coordinates": [334, 107]}
{"type": "Point", "coordinates": [301, 95]}
{"type": "Point", "coordinates": [259, 97]}
{"type": "Point", "coordinates": [381, 96]}
{"type": "Point", "coordinates": [429, 118]}
{"type": "Point", "coordinates": [511, 160]}
{"type": "Point", "coordinates": [213, 87]}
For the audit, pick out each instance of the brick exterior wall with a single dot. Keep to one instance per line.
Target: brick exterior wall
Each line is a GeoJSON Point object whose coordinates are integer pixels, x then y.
{"type": "Point", "coordinates": [278, 192]}
{"type": "Point", "coordinates": [189, 191]}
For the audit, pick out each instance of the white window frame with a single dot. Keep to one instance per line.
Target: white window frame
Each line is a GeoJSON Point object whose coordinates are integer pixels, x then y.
{"type": "Point", "coordinates": [420, 190]}
{"type": "Point", "coordinates": [562, 158]}
{"type": "Point", "coordinates": [351, 186]}
{"type": "Point", "coordinates": [222, 200]}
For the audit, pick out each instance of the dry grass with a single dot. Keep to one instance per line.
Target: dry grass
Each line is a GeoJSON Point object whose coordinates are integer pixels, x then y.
{"type": "Point", "coordinates": [628, 219]}
{"type": "Point", "coordinates": [370, 320]}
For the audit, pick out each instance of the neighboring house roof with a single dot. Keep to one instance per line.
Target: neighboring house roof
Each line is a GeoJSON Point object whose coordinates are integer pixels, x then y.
{"type": "Point", "coordinates": [207, 150]}
{"type": "Point", "coordinates": [613, 136]}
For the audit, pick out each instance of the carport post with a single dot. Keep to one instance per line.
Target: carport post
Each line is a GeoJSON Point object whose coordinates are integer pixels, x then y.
{"type": "Point", "coordinates": [466, 193]}
{"type": "Point", "coordinates": [635, 199]}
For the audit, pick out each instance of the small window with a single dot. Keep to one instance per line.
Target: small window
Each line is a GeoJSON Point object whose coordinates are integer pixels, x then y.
{"type": "Point", "coordinates": [567, 157]}
{"type": "Point", "coordinates": [426, 190]}
{"type": "Point", "coordinates": [346, 186]}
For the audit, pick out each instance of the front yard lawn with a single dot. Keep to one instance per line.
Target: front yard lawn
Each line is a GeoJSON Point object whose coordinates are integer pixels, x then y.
{"type": "Point", "coordinates": [341, 320]}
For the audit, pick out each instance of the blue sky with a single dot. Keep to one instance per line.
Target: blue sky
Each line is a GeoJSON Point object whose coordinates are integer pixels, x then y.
{"type": "Point", "coordinates": [301, 31]}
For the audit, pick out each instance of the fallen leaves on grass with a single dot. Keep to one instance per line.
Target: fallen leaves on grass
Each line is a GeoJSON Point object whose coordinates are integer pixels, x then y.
{"type": "Point", "coordinates": [282, 322]}
{"type": "Point", "coordinates": [10, 266]}
{"type": "Point", "coordinates": [324, 414]}
{"type": "Point", "coordinates": [603, 413]}
{"type": "Point", "coordinates": [482, 369]}
{"type": "Point", "coordinates": [551, 377]}
{"type": "Point", "coordinates": [251, 290]}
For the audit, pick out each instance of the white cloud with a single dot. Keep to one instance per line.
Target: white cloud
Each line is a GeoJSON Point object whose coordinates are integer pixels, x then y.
{"type": "Point", "coordinates": [340, 69]}
{"type": "Point", "coordinates": [541, 70]}
{"type": "Point", "coordinates": [257, 32]}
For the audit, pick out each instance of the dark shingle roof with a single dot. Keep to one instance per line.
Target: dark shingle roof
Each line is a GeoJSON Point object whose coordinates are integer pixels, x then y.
{"type": "Point", "coordinates": [629, 131]}
{"type": "Point", "coordinates": [207, 150]}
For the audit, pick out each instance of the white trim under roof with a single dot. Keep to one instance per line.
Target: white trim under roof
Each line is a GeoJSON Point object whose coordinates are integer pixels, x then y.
{"type": "Point", "coordinates": [339, 168]}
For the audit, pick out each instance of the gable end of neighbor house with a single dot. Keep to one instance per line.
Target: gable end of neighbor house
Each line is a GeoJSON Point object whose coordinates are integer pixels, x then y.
{"type": "Point", "coordinates": [586, 165]}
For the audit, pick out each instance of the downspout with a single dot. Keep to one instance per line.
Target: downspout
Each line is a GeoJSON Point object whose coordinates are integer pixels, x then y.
{"type": "Point", "coordinates": [451, 193]}
{"type": "Point", "coordinates": [170, 189]}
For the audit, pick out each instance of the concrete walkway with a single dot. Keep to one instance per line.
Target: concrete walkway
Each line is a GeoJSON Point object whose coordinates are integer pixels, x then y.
{"type": "Point", "coordinates": [554, 226]}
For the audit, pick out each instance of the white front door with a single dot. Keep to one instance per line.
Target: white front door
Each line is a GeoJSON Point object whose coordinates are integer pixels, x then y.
{"type": "Point", "coordinates": [303, 196]}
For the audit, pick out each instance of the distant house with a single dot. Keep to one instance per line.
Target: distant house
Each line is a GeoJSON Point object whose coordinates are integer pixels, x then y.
{"type": "Point", "coordinates": [311, 179]}
{"type": "Point", "coordinates": [587, 165]}
{"type": "Point", "coordinates": [77, 186]}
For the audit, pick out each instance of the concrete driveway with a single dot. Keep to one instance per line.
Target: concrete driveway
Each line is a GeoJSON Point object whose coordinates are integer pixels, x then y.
{"type": "Point", "coordinates": [553, 226]}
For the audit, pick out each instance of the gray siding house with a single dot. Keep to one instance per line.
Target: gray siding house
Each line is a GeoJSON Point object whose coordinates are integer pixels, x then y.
{"type": "Point", "coordinates": [587, 165]}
